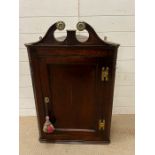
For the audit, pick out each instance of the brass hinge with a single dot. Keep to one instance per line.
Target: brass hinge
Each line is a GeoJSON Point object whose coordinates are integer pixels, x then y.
{"type": "Point", "coordinates": [101, 124]}
{"type": "Point", "coordinates": [105, 74]}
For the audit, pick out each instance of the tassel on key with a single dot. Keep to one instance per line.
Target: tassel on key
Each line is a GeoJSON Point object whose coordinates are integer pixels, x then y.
{"type": "Point", "coordinates": [48, 126]}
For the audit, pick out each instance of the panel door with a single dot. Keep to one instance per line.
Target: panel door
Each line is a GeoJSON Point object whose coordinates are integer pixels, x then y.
{"type": "Point", "coordinates": [75, 106]}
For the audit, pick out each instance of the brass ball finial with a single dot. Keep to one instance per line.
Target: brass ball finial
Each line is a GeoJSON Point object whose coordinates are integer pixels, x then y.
{"type": "Point", "coordinates": [81, 26]}
{"type": "Point", "coordinates": [60, 25]}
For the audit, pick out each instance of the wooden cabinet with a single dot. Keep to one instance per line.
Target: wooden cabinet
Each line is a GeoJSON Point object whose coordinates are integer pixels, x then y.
{"type": "Point", "coordinates": [73, 84]}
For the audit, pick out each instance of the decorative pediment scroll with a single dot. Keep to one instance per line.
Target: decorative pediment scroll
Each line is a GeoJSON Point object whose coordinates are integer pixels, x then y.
{"type": "Point", "coordinates": [71, 38]}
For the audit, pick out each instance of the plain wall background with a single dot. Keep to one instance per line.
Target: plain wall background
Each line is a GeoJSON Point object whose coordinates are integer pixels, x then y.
{"type": "Point", "coordinates": [111, 18]}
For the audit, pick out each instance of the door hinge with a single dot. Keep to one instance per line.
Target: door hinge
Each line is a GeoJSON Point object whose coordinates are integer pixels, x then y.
{"type": "Point", "coordinates": [101, 124]}
{"type": "Point", "coordinates": [105, 74]}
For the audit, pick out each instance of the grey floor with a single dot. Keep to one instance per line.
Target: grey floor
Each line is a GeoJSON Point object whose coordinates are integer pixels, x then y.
{"type": "Point", "coordinates": [122, 140]}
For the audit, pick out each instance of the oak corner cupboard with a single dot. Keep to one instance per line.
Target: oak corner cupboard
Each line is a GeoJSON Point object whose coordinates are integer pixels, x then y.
{"type": "Point", "coordinates": [73, 84]}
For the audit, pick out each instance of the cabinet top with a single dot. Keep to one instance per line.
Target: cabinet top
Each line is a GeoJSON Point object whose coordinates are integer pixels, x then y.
{"type": "Point", "coordinates": [72, 39]}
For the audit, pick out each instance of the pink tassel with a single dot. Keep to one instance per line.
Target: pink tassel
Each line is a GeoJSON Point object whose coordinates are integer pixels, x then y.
{"type": "Point", "coordinates": [48, 126]}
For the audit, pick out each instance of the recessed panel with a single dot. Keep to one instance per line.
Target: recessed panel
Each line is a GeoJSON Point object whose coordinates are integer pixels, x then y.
{"type": "Point", "coordinates": [73, 89]}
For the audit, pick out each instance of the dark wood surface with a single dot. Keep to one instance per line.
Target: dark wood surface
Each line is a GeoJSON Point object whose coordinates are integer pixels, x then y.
{"type": "Point", "coordinates": [69, 73]}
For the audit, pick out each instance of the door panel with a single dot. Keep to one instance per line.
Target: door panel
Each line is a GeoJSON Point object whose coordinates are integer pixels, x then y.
{"type": "Point", "coordinates": [73, 96]}
{"type": "Point", "coordinates": [75, 90]}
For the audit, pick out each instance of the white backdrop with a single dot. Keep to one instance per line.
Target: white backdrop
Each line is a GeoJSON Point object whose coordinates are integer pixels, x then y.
{"type": "Point", "coordinates": [111, 18]}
